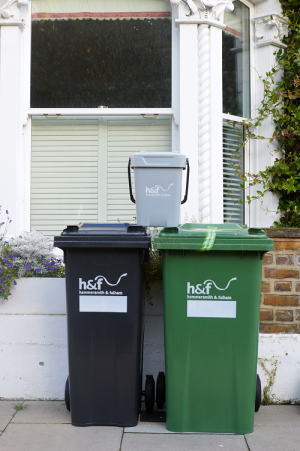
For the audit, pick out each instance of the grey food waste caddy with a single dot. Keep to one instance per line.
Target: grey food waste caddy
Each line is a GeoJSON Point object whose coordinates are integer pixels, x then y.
{"type": "Point", "coordinates": [104, 280]}
{"type": "Point", "coordinates": [158, 177]}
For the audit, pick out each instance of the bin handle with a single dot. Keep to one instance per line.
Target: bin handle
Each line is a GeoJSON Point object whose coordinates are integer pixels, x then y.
{"type": "Point", "coordinates": [129, 180]}
{"type": "Point", "coordinates": [187, 182]}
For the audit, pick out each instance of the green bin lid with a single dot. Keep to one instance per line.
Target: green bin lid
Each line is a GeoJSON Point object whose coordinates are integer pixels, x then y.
{"type": "Point", "coordinates": [216, 237]}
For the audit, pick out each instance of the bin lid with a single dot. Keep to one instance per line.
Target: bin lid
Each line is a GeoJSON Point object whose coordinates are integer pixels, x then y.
{"type": "Point", "coordinates": [216, 237]}
{"type": "Point", "coordinates": [158, 160]}
{"type": "Point", "coordinates": [103, 235]}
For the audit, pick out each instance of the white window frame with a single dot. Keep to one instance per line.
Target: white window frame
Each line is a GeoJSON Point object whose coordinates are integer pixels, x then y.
{"type": "Point", "coordinates": [248, 149]}
{"type": "Point", "coordinates": [173, 111]}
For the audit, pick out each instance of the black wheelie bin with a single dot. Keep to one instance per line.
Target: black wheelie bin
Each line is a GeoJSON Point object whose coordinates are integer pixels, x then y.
{"type": "Point", "coordinates": [104, 291]}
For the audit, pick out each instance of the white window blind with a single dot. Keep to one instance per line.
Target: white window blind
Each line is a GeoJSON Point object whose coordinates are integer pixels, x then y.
{"type": "Point", "coordinates": [232, 192]}
{"type": "Point", "coordinates": [79, 168]}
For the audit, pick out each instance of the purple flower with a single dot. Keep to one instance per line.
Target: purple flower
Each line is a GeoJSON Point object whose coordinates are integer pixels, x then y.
{"type": "Point", "coordinates": [37, 270]}
{"type": "Point", "coordinates": [27, 266]}
{"type": "Point", "coordinates": [9, 265]}
{"type": "Point", "coordinates": [9, 277]}
{"type": "Point", "coordinates": [54, 269]}
{"type": "Point", "coordinates": [5, 242]}
{"type": "Point", "coordinates": [15, 283]}
{"type": "Point", "coordinates": [19, 256]}
{"type": "Point", "coordinates": [58, 261]}
{"type": "Point", "coordinates": [14, 258]}
{"type": "Point", "coordinates": [7, 212]}
{"type": "Point", "coordinates": [0, 270]}
{"type": "Point", "coordinates": [7, 256]}
{"type": "Point", "coordinates": [9, 294]}
{"type": "Point", "coordinates": [2, 280]}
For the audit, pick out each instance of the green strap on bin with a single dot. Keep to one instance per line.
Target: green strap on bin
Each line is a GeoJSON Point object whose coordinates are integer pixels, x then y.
{"type": "Point", "coordinates": [209, 239]}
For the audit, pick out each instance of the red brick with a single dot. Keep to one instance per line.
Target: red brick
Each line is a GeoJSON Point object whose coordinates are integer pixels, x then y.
{"type": "Point", "coordinates": [265, 287]}
{"type": "Point", "coordinates": [281, 300]}
{"type": "Point", "coordinates": [284, 260]}
{"type": "Point", "coordinates": [297, 315]}
{"type": "Point", "coordinates": [277, 329]}
{"type": "Point", "coordinates": [283, 286]}
{"type": "Point", "coordinates": [297, 286]}
{"type": "Point", "coordinates": [282, 273]}
{"type": "Point", "coordinates": [284, 315]}
{"type": "Point", "coordinates": [268, 259]}
{"type": "Point", "coordinates": [289, 245]}
{"type": "Point", "coordinates": [266, 315]}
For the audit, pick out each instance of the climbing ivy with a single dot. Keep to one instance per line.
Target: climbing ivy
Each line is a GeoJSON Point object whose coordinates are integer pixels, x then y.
{"type": "Point", "coordinates": [281, 99]}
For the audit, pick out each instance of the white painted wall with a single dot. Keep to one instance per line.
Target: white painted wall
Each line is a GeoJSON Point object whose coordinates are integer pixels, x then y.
{"type": "Point", "coordinates": [285, 348]}
{"type": "Point", "coordinates": [33, 345]}
{"type": "Point", "coordinates": [33, 339]}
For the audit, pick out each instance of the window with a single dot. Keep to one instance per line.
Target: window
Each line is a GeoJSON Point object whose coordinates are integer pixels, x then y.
{"type": "Point", "coordinates": [236, 61]}
{"type": "Point", "coordinates": [233, 211]}
{"type": "Point", "coordinates": [236, 105]}
{"type": "Point", "coordinates": [87, 54]}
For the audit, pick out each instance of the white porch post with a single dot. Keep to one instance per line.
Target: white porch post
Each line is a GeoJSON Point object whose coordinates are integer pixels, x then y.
{"type": "Point", "coordinates": [188, 116]}
{"type": "Point", "coordinates": [12, 17]}
{"type": "Point", "coordinates": [201, 105]}
{"type": "Point", "coordinates": [268, 37]}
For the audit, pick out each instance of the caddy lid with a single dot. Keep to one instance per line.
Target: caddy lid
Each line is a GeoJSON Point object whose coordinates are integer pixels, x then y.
{"type": "Point", "coordinates": [158, 160]}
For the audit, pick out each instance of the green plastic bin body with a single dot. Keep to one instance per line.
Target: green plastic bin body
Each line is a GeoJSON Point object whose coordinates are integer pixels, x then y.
{"type": "Point", "coordinates": [211, 321]}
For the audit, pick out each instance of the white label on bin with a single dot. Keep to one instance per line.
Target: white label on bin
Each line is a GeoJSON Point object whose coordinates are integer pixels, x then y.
{"type": "Point", "coordinates": [103, 304]}
{"type": "Point", "coordinates": [211, 309]}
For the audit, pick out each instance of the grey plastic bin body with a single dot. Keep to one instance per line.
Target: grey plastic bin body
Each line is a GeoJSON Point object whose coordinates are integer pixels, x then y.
{"type": "Point", "coordinates": [158, 178]}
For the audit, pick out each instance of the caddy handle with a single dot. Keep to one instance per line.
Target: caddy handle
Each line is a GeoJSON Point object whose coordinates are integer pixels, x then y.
{"type": "Point", "coordinates": [187, 182]}
{"type": "Point", "coordinates": [129, 181]}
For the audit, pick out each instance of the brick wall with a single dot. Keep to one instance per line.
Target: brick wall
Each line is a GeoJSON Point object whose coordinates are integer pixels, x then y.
{"type": "Point", "coordinates": [280, 299]}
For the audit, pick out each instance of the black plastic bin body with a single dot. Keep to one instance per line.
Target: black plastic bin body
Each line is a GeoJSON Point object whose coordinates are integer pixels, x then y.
{"type": "Point", "coordinates": [104, 315]}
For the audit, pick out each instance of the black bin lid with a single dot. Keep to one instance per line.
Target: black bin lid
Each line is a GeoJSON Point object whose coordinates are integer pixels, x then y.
{"type": "Point", "coordinates": [103, 235]}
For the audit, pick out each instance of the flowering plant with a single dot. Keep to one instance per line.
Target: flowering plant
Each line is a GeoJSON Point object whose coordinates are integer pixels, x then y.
{"type": "Point", "coordinates": [35, 257]}
{"type": "Point", "coordinates": [29, 255]}
{"type": "Point", "coordinates": [7, 270]}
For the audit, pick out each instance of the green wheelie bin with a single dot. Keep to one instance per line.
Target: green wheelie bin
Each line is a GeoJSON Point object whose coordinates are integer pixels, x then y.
{"type": "Point", "coordinates": [212, 288]}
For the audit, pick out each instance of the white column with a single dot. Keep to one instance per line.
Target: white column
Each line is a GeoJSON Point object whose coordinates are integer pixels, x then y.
{"type": "Point", "coordinates": [268, 36]}
{"type": "Point", "coordinates": [10, 121]}
{"type": "Point", "coordinates": [201, 105]}
{"type": "Point", "coordinates": [189, 115]}
{"type": "Point", "coordinates": [12, 24]}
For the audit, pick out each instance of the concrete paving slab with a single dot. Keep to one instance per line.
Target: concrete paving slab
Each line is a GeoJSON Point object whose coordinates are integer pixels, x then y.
{"type": "Point", "coordinates": [62, 437]}
{"type": "Point", "coordinates": [6, 413]}
{"type": "Point", "coordinates": [179, 442]}
{"type": "Point", "coordinates": [149, 428]}
{"type": "Point", "coordinates": [274, 439]}
{"type": "Point", "coordinates": [50, 412]}
{"type": "Point", "coordinates": [156, 428]}
{"type": "Point", "coordinates": [278, 416]}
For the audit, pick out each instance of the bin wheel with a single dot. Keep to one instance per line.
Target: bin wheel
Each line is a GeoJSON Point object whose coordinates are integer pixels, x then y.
{"type": "Point", "coordinates": [149, 393]}
{"type": "Point", "coordinates": [67, 394]}
{"type": "Point", "coordinates": [160, 390]}
{"type": "Point", "coordinates": [258, 394]}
